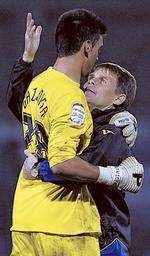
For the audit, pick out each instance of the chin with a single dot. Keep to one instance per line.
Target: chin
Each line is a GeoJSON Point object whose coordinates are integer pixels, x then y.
{"type": "Point", "coordinates": [89, 96]}
{"type": "Point", "coordinates": [85, 73]}
{"type": "Point", "coordinates": [89, 101]}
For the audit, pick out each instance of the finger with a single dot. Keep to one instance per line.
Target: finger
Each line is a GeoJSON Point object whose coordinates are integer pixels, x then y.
{"type": "Point", "coordinates": [38, 31]}
{"type": "Point", "coordinates": [28, 154]}
{"type": "Point", "coordinates": [131, 144]}
{"type": "Point", "coordinates": [32, 31]}
{"type": "Point", "coordinates": [29, 18]}
{"type": "Point", "coordinates": [31, 24]}
{"type": "Point", "coordinates": [129, 139]}
{"type": "Point", "coordinates": [128, 130]}
{"type": "Point", "coordinates": [30, 157]}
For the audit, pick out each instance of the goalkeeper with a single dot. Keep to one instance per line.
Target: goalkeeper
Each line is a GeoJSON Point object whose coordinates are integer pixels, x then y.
{"type": "Point", "coordinates": [107, 147]}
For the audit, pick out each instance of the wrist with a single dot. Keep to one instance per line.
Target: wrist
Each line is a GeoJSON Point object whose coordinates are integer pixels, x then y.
{"type": "Point", "coordinates": [109, 175]}
{"type": "Point", "coordinates": [27, 57]}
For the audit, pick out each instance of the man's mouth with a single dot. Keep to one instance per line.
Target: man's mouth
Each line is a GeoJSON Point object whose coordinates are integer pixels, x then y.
{"type": "Point", "coordinates": [87, 89]}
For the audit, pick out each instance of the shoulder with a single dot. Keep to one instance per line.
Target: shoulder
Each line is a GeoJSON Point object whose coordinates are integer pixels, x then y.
{"type": "Point", "coordinates": [109, 130]}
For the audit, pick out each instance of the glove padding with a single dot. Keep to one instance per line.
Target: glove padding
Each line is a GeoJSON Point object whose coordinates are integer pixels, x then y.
{"type": "Point", "coordinates": [30, 170]}
{"type": "Point", "coordinates": [127, 176]}
{"type": "Point", "coordinates": [131, 175]}
{"type": "Point", "coordinates": [33, 169]}
{"type": "Point", "coordinates": [129, 122]}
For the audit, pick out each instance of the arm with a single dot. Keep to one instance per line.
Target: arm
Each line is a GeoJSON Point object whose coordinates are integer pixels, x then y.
{"type": "Point", "coordinates": [22, 73]}
{"type": "Point", "coordinates": [129, 173]}
{"type": "Point", "coordinates": [106, 148]}
{"type": "Point", "coordinates": [126, 174]}
{"type": "Point", "coordinates": [20, 79]}
{"type": "Point", "coordinates": [76, 169]}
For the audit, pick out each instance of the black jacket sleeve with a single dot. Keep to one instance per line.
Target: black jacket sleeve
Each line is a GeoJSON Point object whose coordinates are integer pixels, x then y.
{"type": "Point", "coordinates": [20, 78]}
{"type": "Point", "coordinates": [107, 147]}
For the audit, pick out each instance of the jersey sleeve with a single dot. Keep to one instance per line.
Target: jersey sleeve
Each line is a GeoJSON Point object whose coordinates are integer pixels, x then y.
{"type": "Point", "coordinates": [20, 78]}
{"type": "Point", "coordinates": [70, 129]}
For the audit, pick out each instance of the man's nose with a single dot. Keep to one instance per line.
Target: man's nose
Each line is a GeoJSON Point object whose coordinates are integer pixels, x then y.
{"type": "Point", "coordinates": [85, 85]}
{"type": "Point", "coordinates": [91, 82]}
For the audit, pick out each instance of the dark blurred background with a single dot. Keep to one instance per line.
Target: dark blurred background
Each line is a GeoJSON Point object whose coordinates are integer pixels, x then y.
{"type": "Point", "coordinates": [128, 44]}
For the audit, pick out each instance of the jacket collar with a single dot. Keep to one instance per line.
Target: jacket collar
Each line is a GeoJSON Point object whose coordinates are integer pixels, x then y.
{"type": "Point", "coordinates": [102, 117]}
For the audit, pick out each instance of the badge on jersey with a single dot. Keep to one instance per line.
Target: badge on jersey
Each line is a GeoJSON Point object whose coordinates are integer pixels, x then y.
{"type": "Point", "coordinates": [77, 114]}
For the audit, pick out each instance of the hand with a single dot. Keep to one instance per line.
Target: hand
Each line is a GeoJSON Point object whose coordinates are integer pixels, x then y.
{"type": "Point", "coordinates": [30, 170]}
{"type": "Point", "coordinates": [127, 176]}
{"type": "Point", "coordinates": [129, 122]}
{"type": "Point", "coordinates": [131, 175]}
{"type": "Point", "coordinates": [32, 39]}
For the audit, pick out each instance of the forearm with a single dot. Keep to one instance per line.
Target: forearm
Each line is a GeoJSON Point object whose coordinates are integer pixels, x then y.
{"type": "Point", "coordinates": [77, 170]}
{"type": "Point", "coordinates": [127, 176]}
{"type": "Point", "coordinates": [20, 79]}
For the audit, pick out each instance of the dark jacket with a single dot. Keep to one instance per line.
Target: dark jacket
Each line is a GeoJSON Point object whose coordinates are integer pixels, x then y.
{"type": "Point", "coordinates": [107, 147]}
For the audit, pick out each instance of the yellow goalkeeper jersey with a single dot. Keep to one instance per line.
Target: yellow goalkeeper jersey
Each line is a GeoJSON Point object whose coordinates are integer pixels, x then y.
{"type": "Point", "coordinates": [57, 124]}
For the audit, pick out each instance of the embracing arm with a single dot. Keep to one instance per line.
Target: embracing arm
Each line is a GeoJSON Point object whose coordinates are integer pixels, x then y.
{"type": "Point", "coordinates": [123, 170]}
{"type": "Point", "coordinates": [108, 147]}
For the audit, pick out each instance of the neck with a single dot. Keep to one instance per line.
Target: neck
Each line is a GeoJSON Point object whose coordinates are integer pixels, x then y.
{"type": "Point", "coordinates": [70, 66]}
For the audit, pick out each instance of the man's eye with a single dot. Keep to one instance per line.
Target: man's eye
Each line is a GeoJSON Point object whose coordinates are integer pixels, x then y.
{"type": "Point", "coordinates": [103, 80]}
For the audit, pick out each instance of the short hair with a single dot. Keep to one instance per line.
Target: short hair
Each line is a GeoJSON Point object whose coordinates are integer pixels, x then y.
{"type": "Point", "coordinates": [74, 28]}
{"type": "Point", "coordinates": [126, 83]}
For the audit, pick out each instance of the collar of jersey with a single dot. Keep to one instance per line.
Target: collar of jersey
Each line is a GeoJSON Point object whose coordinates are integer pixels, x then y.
{"type": "Point", "coordinates": [63, 74]}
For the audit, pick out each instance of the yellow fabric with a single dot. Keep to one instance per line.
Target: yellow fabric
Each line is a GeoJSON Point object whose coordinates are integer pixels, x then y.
{"type": "Point", "coordinates": [35, 244]}
{"type": "Point", "coordinates": [47, 207]}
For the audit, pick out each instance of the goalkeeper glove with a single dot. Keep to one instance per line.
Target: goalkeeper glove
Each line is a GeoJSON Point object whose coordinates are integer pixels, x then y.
{"type": "Point", "coordinates": [127, 176]}
{"type": "Point", "coordinates": [30, 170]}
{"type": "Point", "coordinates": [34, 168]}
{"type": "Point", "coordinates": [129, 122]}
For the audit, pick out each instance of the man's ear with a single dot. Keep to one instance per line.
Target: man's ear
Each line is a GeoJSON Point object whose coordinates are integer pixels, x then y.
{"type": "Point", "coordinates": [120, 99]}
{"type": "Point", "coordinates": [87, 45]}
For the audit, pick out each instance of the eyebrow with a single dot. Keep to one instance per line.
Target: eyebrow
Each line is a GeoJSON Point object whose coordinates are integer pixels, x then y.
{"type": "Point", "coordinates": [91, 76]}
{"type": "Point", "coordinates": [105, 77]}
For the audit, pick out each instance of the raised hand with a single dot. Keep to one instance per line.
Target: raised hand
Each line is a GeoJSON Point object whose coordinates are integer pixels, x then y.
{"type": "Point", "coordinates": [32, 39]}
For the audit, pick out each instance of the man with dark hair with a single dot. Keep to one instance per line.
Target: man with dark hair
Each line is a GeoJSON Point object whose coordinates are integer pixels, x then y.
{"type": "Point", "coordinates": [52, 130]}
{"type": "Point", "coordinates": [54, 103]}
{"type": "Point", "coordinates": [74, 29]}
